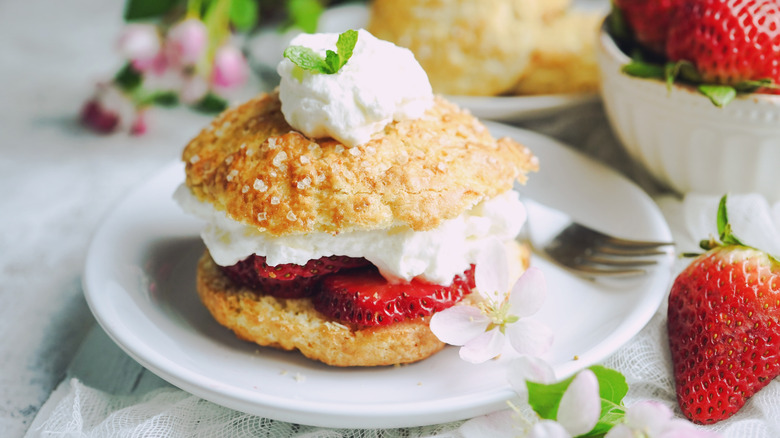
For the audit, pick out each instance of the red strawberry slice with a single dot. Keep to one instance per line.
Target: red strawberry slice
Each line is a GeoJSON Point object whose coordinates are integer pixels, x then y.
{"type": "Point", "coordinates": [729, 42]}
{"type": "Point", "coordinates": [649, 21]}
{"type": "Point", "coordinates": [287, 280]}
{"type": "Point", "coordinates": [365, 297]}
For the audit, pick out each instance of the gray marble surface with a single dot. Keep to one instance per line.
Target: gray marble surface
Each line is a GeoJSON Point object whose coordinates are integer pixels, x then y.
{"type": "Point", "coordinates": [57, 181]}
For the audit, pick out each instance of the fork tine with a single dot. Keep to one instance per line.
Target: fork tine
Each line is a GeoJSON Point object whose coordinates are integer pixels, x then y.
{"type": "Point", "coordinates": [628, 251]}
{"type": "Point", "coordinates": [624, 243]}
{"type": "Point", "coordinates": [618, 262]}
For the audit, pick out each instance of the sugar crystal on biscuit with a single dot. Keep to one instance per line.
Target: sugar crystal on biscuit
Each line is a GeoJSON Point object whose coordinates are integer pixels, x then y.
{"type": "Point", "coordinates": [305, 159]}
{"type": "Point", "coordinates": [291, 216]}
{"type": "Point", "coordinates": [232, 174]}
{"type": "Point", "coordinates": [339, 148]}
{"type": "Point", "coordinates": [279, 158]}
{"type": "Point", "coordinates": [194, 159]}
{"type": "Point", "coordinates": [260, 185]}
{"type": "Point", "coordinates": [229, 159]}
{"type": "Point", "coordinates": [261, 216]}
{"type": "Point", "coordinates": [304, 183]}
{"type": "Point", "coordinates": [272, 143]}
{"type": "Point", "coordinates": [275, 200]}
{"type": "Point", "coordinates": [245, 189]}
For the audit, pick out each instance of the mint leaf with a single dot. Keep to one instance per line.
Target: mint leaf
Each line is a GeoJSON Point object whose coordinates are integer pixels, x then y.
{"type": "Point", "coordinates": [243, 14]}
{"type": "Point", "coordinates": [643, 69]}
{"type": "Point", "coordinates": [305, 58]}
{"type": "Point", "coordinates": [308, 59]}
{"type": "Point", "coordinates": [720, 95]}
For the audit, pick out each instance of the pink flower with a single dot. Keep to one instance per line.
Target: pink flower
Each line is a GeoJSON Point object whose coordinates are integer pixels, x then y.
{"type": "Point", "coordinates": [139, 43]}
{"type": "Point", "coordinates": [186, 42]}
{"type": "Point", "coordinates": [111, 110]}
{"type": "Point", "coordinates": [230, 67]}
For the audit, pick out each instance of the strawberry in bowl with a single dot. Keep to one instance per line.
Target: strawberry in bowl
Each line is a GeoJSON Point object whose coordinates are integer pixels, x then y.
{"type": "Point", "coordinates": [702, 115]}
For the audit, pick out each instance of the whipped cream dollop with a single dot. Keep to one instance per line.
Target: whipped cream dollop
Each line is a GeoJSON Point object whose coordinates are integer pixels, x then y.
{"type": "Point", "coordinates": [380, 83]}
{"type": "Point", "coordinates": [436, 255]}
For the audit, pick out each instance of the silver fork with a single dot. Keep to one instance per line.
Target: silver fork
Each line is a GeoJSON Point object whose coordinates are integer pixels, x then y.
{"type": "Point", "coordinates": [586, 251]}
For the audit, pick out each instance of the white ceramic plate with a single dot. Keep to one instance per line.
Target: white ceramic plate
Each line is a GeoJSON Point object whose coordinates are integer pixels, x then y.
{"type": "Point", "coordinates": [139, 283]}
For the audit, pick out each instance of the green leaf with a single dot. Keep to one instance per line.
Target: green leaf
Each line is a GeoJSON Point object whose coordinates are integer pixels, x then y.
{"type": "Point", "coordinates": [305, 14]}
{"type": "Point", "coordinates": [210, 104]}
{"type": "Point", "coordinates": [720, 95]}
{"type": "Point", "coordinates": [128, 78]}
{"type": "Point", "coordinates": [643, 69]}
{"type": "Point", "coordinates": [751, 86]}
{"type": "Point", "coordinates": [308, 59]}
{"type": "Point", "coordinates": [305, 58]}
{"type": "Point", "coordinates": [724, 228]}
{"type": "Point", "coordinates": [545, 398]}
{"type": "Point", "coordinates": [243, 14]}
{"type": "Point", "coordinates": [617, 25]}
{"type": "Point", "coordinates": [146, 9]}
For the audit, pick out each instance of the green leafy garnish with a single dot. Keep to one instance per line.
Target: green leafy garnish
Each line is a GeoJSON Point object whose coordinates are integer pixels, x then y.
{"type": "Point", "coordinates": [307, 59]}
{"type": "Point", "coordinates": [146, 9]}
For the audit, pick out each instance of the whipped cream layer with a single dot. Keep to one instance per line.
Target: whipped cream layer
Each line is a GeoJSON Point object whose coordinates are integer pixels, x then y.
{"type": "Point", "coordinates": [380, 83]}
{"type": "Point", "coordinates": [436, 255]}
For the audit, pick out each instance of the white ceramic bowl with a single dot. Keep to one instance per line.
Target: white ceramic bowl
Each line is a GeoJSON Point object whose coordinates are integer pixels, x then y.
{"type": "Point", "coordinates": [685, 141]}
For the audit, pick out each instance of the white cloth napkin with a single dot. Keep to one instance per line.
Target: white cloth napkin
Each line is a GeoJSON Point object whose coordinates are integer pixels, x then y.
{"type": "Point", "coordinates": [75, 410]}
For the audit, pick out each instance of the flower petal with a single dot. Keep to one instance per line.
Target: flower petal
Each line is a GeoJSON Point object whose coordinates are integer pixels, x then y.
{"type": "Point", "coordinates": [528, 336]}
{"type": "Point", "coordinates": [649, 416]}
{"type": "Point", "coordinates": [527, 368]}
{"type": "Point", "coordinates": [484, 347]}
{"type": "Point", "coordinates": [548, 429]}
{"type": "Point", "coordinates": [491, 274]}
{"type": "Point", "coordinates": [529, 293]}
{"type": "Point", "coordinates": [458, 324]}
{"type": "Point", "coordinates": [580, 405]}
{"type": "Point", "coordinates": [620, 431]}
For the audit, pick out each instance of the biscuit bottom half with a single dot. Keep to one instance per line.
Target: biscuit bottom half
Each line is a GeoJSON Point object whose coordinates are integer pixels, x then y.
{"type": "Point", "coordinates": [294, 324]}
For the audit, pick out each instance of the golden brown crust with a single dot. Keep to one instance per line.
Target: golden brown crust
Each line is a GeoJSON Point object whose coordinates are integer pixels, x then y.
{"type": "Point", "coordinates": [417, 173]}
{"type": "Point", "coordinates": [294, 324]}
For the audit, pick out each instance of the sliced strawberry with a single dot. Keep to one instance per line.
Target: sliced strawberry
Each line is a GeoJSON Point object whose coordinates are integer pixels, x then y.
{"type": "Point", "coordinates": [287, 280]}
{"type": "Point", "coordinates": [312, 268]}
{"type": "Point", "coordinates": [365, 297]}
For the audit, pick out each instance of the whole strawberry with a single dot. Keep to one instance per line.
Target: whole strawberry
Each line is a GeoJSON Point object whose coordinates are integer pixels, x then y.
{"type": "Point", "coordinates": [724, 328]}
{"type": "Point", "coordinates": [730, 42]}
{"type": "Point", "coordinates": [648, 20]}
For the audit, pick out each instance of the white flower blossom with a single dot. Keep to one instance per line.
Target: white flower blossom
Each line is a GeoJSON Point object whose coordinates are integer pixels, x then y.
{"type": "Point", "coordinates": [650, 419]}
{"type": "Point", "coordinates": [483, 331]}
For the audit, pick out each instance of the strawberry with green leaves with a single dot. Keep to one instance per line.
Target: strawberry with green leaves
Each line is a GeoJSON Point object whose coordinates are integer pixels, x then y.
{"type": "Point", "coordinates": [729, 42]}
{"type": "Point", "coordinates": [724, 326]}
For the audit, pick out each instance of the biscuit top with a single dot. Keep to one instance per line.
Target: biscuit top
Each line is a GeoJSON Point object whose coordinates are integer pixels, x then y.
{"type": "Point", "coordinates": [417, 173]}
